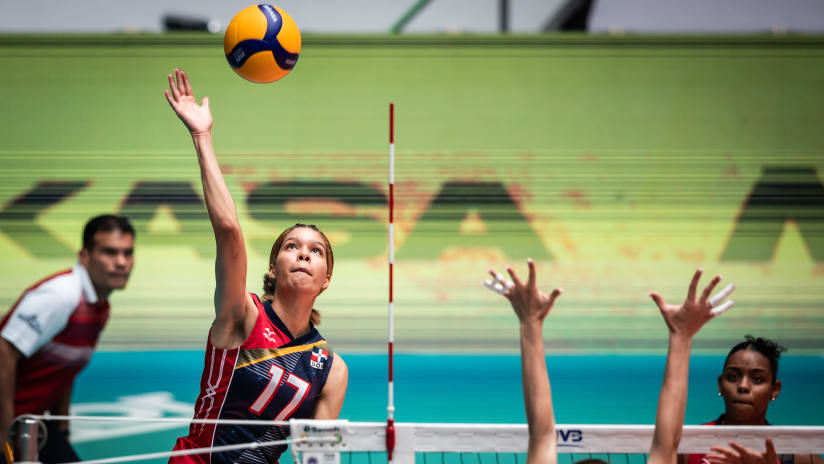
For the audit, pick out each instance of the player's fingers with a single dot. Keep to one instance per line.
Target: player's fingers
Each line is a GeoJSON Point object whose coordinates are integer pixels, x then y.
{"type": "Point", "coordinates": [713, 458]}
{"type": "Point", "coordinates": [725, 451]}
{"type": "Point", "coordinates": [187, 86]}
{"type": "Point", "coordinates": [170, 100]}
{"type": "Point", "coordinates": [772, 455]}
{"type": "Point", "coordinates": [531, 282]}
{"type": "Point", "coordinates": [718, 297]}
{"type": "Point", "coordinates": [494, 286]}
{"type": "Point", "coordinates": [173, 87]}
{"type": "Point", "coordinates": [710, 287]}
{"type": "Point", "coordinates": [554, 295]}
{"type": "Point", "coordinates": [658, 300]}
{"type": "Point", "coordinates": [514, 277]}
{"type": "Point", "coordinates": [180, 85]}
{"type": "Point", "coordinates": [719, 310]}
{"type": "Point", "coordinates": [694, 284]}
{"type": "Point", "coordinates": [740, 449]}
{"type": "Point", "coordinates": [206, 102]}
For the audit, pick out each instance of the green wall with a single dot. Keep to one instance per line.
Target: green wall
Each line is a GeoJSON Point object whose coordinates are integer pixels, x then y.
{"type": "Point", "coordinates": [619, 164]}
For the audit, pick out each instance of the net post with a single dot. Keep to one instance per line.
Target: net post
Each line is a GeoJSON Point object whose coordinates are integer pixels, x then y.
{"type": "Point", "coordinates": [390, 407]}
{"type": "Point", "coordinates": [26, 446]}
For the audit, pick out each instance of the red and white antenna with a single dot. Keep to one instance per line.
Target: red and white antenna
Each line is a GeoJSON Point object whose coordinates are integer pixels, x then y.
{"type": "Point", "coordinates": [390, 407]}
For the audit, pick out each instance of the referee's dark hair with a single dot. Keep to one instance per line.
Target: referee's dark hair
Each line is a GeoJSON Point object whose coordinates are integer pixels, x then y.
{"type": "Point", "coordinates": [105, 223]}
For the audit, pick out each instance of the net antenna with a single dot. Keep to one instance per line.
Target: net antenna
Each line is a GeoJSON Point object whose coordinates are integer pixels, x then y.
{"type": "Point", "coordinates": [390, 407]}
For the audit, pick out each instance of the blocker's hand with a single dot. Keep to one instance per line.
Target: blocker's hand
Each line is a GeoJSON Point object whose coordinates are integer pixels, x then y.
{"type": "Point", "coordinates": [197, 118]}
{"type": "Point", "coordinates": [737, 454]}
{"type": "Point", "coordinates": [529, 303]}
{"type": "Point", "coordinates": [689, 317]}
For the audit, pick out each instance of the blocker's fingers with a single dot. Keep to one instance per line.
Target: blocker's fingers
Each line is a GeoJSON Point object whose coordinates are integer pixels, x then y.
{"type": "Point", "coordinates": [740, 449]}
{"type": "Point", "coordinates": [554, 295]}
{"type": "Point", "coordinates": [531, 282]}
{"type": "Point", "coordinates": [772, 455]}
{"type": "Point", "coordinates": [718, 297]}
{"type": "Point", "coordinates": [495, 287]}
{"type": "Point", "coordinates": [694, 284]}
{"type": "Point", "coordinates": [514, 277]}
{"type": "Point", "coordinates": [500, 277]}
{"type": "Point", "coordinates": [658, 300]}
{"type": "Point", "coordinates": [719, 310]}
{"type": "Point", "coordinates": [710, 287]}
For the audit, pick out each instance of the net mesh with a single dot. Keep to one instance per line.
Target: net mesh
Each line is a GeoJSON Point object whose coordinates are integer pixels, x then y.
{"type": "Point", "coordinates": [364, 443]}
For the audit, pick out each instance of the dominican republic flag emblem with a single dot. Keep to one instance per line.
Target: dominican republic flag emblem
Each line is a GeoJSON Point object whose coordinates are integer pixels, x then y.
{"type": "Point", "coordinates": [319, 355]}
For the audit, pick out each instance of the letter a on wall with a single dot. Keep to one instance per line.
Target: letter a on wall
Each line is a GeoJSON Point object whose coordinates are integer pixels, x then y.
{"type": "Point", "coordinates": [498, 224]}
{"type": "Point", "coordinates": [782, 193]}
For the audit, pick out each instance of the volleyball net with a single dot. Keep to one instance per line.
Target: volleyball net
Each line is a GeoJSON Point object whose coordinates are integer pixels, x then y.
{"type": "Point", "coordinates": [344, 442]}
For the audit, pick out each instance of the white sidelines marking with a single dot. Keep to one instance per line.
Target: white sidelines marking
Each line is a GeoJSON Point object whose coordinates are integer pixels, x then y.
{"type": "Point", "coordinates": [147, 406]}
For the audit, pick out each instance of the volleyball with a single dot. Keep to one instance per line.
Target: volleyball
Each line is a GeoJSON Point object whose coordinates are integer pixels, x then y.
{"type": "Point", "coordinates": [262, 43]}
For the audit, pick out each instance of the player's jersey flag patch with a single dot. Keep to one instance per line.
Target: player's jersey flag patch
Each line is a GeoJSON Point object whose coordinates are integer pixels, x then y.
{"type": "Point", "coordinates": [319, 356]}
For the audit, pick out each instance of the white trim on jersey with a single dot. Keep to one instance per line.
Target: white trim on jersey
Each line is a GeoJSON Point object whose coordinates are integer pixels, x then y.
{"type": "Point", "coordinates": [86, 282]}
{"type": "Point", "coordinates": [44, 311]}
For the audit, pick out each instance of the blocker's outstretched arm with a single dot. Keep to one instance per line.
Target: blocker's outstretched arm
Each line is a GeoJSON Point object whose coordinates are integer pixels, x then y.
{"type": "Point", "coordinates": [231, 305]}
{"type": "Point", "coordinates": [532, 306]}
{"type": "Point", "coordinates": [683, 322]}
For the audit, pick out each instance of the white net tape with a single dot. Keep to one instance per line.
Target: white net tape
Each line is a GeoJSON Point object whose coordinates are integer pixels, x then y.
{"type": "Point", "coordinates": [324, 442]}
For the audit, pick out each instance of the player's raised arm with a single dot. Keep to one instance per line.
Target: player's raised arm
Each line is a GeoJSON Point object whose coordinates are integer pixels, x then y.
{"type": "Point", "coordinates": [230, 267]}
{"type": "Point", "coordinates": [683, 322]}
{"type": "Point", "coordinates": [532, 306]}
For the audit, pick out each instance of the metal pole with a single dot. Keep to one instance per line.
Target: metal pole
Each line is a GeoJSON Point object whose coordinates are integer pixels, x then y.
{"type": "Point", "coordinates": [26, 451]}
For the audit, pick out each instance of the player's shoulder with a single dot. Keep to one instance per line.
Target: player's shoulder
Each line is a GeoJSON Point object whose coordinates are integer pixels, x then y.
{"type": "Point", "coordinates": [65, 286]}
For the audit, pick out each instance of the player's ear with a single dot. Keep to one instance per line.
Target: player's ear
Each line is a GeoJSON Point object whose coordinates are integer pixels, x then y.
{"type": "Point", "coordinates": [83, 257]}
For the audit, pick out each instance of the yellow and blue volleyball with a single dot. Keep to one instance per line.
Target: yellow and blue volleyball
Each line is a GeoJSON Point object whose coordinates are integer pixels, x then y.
{"type": "Point", "coordinates": [262, 43]}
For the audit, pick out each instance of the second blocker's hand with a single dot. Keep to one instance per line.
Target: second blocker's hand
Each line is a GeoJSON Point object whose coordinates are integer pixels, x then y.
{"type": "Point", "coordinates": [527, 301]}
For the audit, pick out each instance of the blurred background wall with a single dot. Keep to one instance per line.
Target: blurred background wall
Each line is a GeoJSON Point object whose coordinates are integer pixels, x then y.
{"type": "Point", "coordinates": [432, 16]}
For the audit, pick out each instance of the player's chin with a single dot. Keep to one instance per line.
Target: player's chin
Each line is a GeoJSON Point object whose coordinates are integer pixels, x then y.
{"type": "Point", "coordinates": [118, 282]}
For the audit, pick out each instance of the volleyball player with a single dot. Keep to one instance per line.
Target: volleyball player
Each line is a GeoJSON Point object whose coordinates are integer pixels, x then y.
{"type": "Point", "coordinates": [683, 322]}
{"type": "Point", "coordinates": [264, 358]}
{"type": "Point", "coordinates": [748, 384]}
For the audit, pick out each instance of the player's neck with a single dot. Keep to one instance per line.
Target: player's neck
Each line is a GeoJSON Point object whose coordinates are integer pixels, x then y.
{"type": "Point", "coordinates": [730, 419]}
{"type": "Point", "coordinates": [102, 293]}
{"type": "Point", "coordinates": [294, 310]}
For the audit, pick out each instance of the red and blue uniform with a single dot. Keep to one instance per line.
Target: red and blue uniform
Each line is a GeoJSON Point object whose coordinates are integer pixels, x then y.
{"type": "Point", "coordinates": [701, 458]}
{"type": "Point", "coordinates": [271, 376]}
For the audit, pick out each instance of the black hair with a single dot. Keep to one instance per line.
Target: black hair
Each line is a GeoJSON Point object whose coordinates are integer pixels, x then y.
{"type": "Point", "coordinates": [766, 347]}
{"type": "Point", "coordinates": [105, 223]}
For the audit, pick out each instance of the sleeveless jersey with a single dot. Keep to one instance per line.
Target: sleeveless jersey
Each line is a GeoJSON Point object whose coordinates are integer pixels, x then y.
{"type": "Point", "coordinates": [271, 376]}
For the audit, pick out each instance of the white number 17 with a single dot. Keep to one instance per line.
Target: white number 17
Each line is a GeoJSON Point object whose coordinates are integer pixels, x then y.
{"type": "Point", "coordinates": [301, 389]}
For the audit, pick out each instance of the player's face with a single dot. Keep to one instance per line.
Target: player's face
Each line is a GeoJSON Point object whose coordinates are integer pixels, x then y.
{"type": "Point", "coordinates": [301, 262]}
{"type": "Point", "coordinates": [747, 387]}
{"type": "Point", "coordinates": [110, 261]}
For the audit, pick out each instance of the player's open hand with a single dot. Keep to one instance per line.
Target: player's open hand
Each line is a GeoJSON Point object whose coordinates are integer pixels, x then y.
{"type": "Point", "coordinates": [688, 318]}
{"type": "Point", "coordinates": [529, 303]}
{"type": "Point", "coordinates": [197, 118]}
{"type": "Point", "coordinates": [737, 454]}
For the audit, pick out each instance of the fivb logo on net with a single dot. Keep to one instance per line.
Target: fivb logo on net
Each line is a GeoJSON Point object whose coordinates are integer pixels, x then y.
{"type": "Point", "coordinates": [570, 438]}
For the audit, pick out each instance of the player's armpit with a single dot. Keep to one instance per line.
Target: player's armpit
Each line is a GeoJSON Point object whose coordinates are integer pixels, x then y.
{"type": "Point", "coordinates": [331, 398]}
